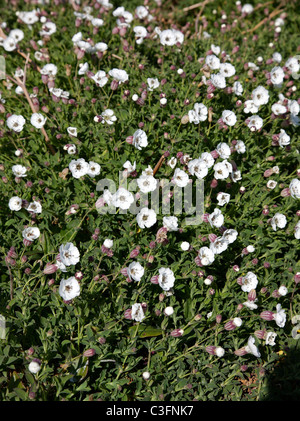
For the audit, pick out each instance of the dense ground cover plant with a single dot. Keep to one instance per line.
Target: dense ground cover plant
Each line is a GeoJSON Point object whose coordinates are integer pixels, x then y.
{"type": "Point", "coordinates": [100, 303]}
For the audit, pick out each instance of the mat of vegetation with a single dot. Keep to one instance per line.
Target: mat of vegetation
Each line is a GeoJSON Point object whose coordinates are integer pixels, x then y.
{"type": "Point", "coordinates": [110, 290]}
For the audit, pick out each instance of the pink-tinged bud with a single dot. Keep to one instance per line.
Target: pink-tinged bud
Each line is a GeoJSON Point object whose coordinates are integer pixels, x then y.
{"type": "Point", "coordinates": [214, 154]}
{"type": "Point", "coordinates": [275, 294]}
{"type": "Point", "coordinates": [285, 192]}
{"type": "Point", "coordinates": [267, 315]}
{"type": "Point", "coordinates": [244, 367]}
{"type": "Point", "coordinates": [50, 268]}
{"type": "Point", "coordinates": [218, 318]}
{"type": "Point", "coordinates": [45, 79]}
{"type": "Point", "coordinates": [211, 349]}
{"type": "Point", "coordinates": [135, 252]}
{"type": "Point", "coordinates": [198, 261]}
{"type": "Point", "coordinates": [177, 332]}
{"type": "Point", "coordinates": [78, 275]}
{"type": "Point", "coordinates": [12, 253]}
{"type": "Point", "coordinates": [124, 272]}
{"type": "Point", "coordinates": [114, 85]}
{"type": "Point", "coordinates": [154, 279]}
{"type": "Point", "coordinates": [122, 31]}
{"type": "Point", "coordinates": [26, 242]}
{"type": "Point", "coordinates": [232, 324]}
{"type": "Point", "coordinates": [260, 334]}
{"type": "Point", "coordinates": [205, 217]}
{"type": "Point", "coordinates": [268, 172]}
{"type": "Point", "coordinates": [241, 352]}
{"type": "Point", "coordinates": [127, 314]}
{"type": "Point", "coordinates": [240, 280]}
{"type": "Point", "coordinates": [51, 282]}
{"type": "Point", "coordinates": [100, 203]}
{"type": "Point", "coordinates": [212, 291]}
{"type": "Point", "coordinates": [212, 237]}
{"type": "Point", "coordinates": [214, 183]}
{"type": "Point", "coordinates": [252, 295]}
{"type": "Point", "coordinates": [297, 278]}
{"type": "Point", "coordinates": [236, 268]}
{"type": "Point", "coordinates": [129, 140]}
{"type": "Point", "coordinates": [89, 352]}
{"type": "Point", "coordinates": [239, 307]}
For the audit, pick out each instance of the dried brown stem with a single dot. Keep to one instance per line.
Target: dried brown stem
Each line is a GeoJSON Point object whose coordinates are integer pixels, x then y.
{"type": "Point", "coordinates": [158, 165]}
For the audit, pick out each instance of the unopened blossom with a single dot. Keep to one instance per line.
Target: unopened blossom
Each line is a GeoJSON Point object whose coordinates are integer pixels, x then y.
{"type": "Point", "coordinates": [135, 271]}
{"type": "Point", "coordinates": [108, 243]}
{"type": "Point", "coordinates": [69, 254]}
{"type": "Point", "coordinates": [232, 324]}
{"type": "Point", "coordinates": [278, 221]}
{"type": "Point", "coordinates": [15, 203]}
{"type": "Point", "coordinates": [218, 351]}
{"type": "Point", "coordinates": [146, 218]}
{"type": "Point", "coordinates": [16, 122]}
{"type": "Point", "coordinates": [166, 278]}
{"type": "Point", "coordinates": [168, 311]}
{"type": "Point", "coordinates": [69, 288]}
{"type": "Point", "coordinates": [34, 366]}
{"type": "Point", "coordinates": [185, 245]}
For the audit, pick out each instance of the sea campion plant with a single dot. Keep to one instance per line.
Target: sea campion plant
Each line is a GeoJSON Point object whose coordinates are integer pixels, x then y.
{"type": "Point", "coordinates": [118, 122]}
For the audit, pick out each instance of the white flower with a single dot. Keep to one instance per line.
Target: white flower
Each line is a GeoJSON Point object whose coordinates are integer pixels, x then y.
{"type": "Point", "coordinates": [180, 178]}
{"type": "Point", "coordinates": [294, 107]}
{"type": "Point", "coordinates": [219, 245]}
{"type": "Point", "coordinates": [69, 254]}
{"type": "Point", "coordinates": [108, 243]}
{"type": "Point", "coordinates": [83, 68]}
{"type": "Point", "coordinates": [295, 188]}
{"type": "Point", "coordinates": [213, 62]}
{"type": "Point", "coordinates": [229, 117]}
{"type": "Point", "coordinates": [135, 271]}
{"type": "Point", "coordinates": [277, 57]}
{"type": "Point", "coordinates": [270, 338]}
{"type": "Point", "coordinates": [278, 221]}
{"type": "Point", "coordinates": [240, 147]}
{"type": "Point", "coordinates": [129, 166]}
{"type": "Point", "coordinates": [198, 167]}
{"type": "Point", "coordinates": [167, 37]}
{"type": "Point", "coordinates": [223, 198]}
{"type": "Point", "coordinates": [249, 282]}
{"type": "Point", "coordinates": [172, 162]}
{"type": "Point", "coordinates": [100, 78]}
{"type": "Point", "coordinates": [16, 34]}
{"type": "Point", "coordinates": [247, 8]}
{"type": "Point", "coordinates": [69, 288]}
{"type": "Point", "coordinates": [97, 22]}
{"type": "Point", "coordinates": [293, 64]}
{"type": "Point", "coordinates": [166, 278]}
{"type": "Point", "coordinates": [140, 33]}
{"type": "Point", "coordinates": [284, 138]}
{"type": "Point", "coordinates": [49, 70]}
{"type": "Point", "coordinates": [120, 75]}
{"type": "Point", "coordinates": [72, 131]}
{"type": "Point", "coordinates": [255, 122]}
{"type": "Point", "coordinates": [282, 290]}
{"type": "Point", "coordinates": [19, 170]}
{"type": "Point", "coordinates": [170, 222]}
{"type": "Point", "coordinates": [278, 109]}
{"type": "Point", "coordinates": [216, 218]}
{"type": "Point", "coordinates": [108, 116]}
{"type": "Point", "coordinates": [35, 207]}
{"type": "Point", "coordinates": [137, 312]}
{"type": "Point", "coordinates": [277, 75]}
{"type": "Point", "coordinates": [230, 235]}
{"type": "Point", "coordinates": [219, 351]}
{"type": "Point", "coordinates": [227, 69]}
{"type": "Point", "coordinates": [250, 304]}
{"type": "Point", "coordinates": [238, 88]}
{"type": "Point", "coordinates": [223, 150]}
{"type": "Point", "coordinates": [122, 198]}
{"type": "Point", "coordinates": [140, 139]}
{"type": "Point", "coordinates": [153, 83]}
{"type": "Point", "coordinates": [199, 113]}
{"type": "Point", "coordinates": [15, 203]}
{"type": "Point", "coordinates": [34, 367]}
{"type": "Point", "coordinates": [185, 246]}
{"type": "Point", "coordinates": [297, 231]}
{"type": "Point", "coordinates": [208, 159]}
{"type": "Point", "coordinates": [48, 29]}
{"type": "Point", "coordinates": [206, 256]}
{"type": "Point", "coordinates": [28, 17]}
{"type": "Point", "coordinates": [280, 316]}
{"type": "Point", "coordinates": [250, 107]}
{"type": "Point", "coordinates": [236, 176]}
{"type": "Point", "coordinates": [38, 120]}
{"type": "Point", "coordinates": [218, 80]}
{"type": "Point", "coordinates": [79, 167]}
{"type": "Point", "coordinates": [168, 311]}
{"type": "Point", "coordinates": [15, 122]}
{"type": "Point", "coordinates": [141, 12]}
{"type": "Point", "coordinates": [260, 96]}
{"type": "Point", "coordinates": [146, 218]}
{"type": "Point", "coordinates": [252, 348]}
{"type": "Point", "coordinates": [250, 248]}
{"type": "Point", "coordinates": [31, 233]}
{"type": "Point", "coordinates": [94, 169]}
{"type": "Point", "coordinates": [222, 170]}
{"type": "Point", "coordinates": [146, 183]}
{"type": "Point", "coordinates": [9, 44]}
